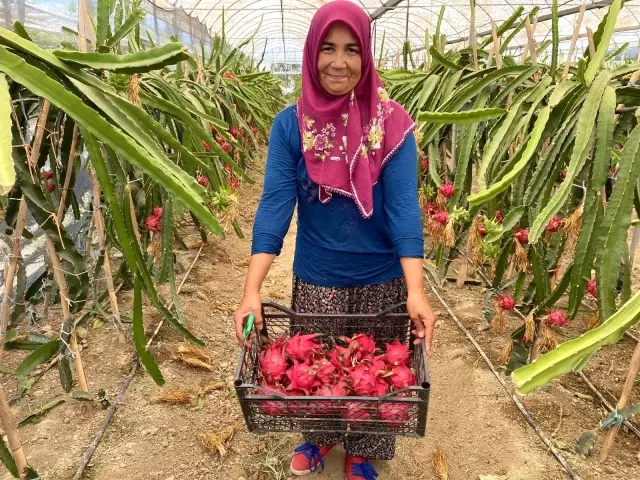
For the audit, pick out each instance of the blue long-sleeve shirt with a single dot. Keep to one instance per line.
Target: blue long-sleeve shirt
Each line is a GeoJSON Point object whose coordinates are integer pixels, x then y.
{"type": "Point", "coordinates": [335, 245]}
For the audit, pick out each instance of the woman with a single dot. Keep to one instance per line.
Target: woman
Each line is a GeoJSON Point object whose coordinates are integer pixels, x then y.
{"type": "Point", "coordinates": [347, 155]}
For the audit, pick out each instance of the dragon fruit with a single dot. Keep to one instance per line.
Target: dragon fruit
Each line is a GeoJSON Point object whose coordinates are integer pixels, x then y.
{"type": "Point", "coordinates": [557, 318]}
{"type": "Point", "coordinates": [506, 302]}
{"type": "Point", "coordinates": [430, 208]}
{"type": "Point", "coordinates": [50, 186]}
{"type": "Point", "coordinates": [273, 364]}
{"type": "Point", "coordinates": [563, 174]}
{"type": "Point", "coordinates": [157, 212]}
{"type": "Point", "coordinates": [522, 236]}
{"type": "Point", "coordinates": [303, 377]}
{"type": "Point", "coordinates": [204, 181]}
{"type": "Point", "coordinates": [499, 216]}
{"type": "Point", "coordinates": [356, 411]}
{"type": "Point", "coordinates": [554, 224]}
{"type": "Point", "coordinates": [441, 217]}
{"type": "Point", "coordinates": [326, 371]}
{"type": "Point", "coordinates": [46, 174]}
{"type": "Point", "coordinates": [424, 164]}
{"type": "Point", "coordinates": [276, 407]}
{"type": "Point", "coordinates": [394, 414]}
{"type": "Point", "coordinates": [447, 190]}
{"type": "Point", "coordinates": [481, 231]}
{"type": "Point", "coordinates": [153, 223]}
{"type": "Point", "coordinates": [206, 146]}
{"type": "Point", "coordinates": [301, 347]}
{"type": "Point", "coordinates": [397, 353]}
{"type": "Point", "coordinates": [591, 287]}
{"type": "Point", "coordinates": [337, 390]}
{"type": "Point", "coordinates": [400, 376]}
{"type": "Point", "coordinates": [363, 379]}
{"type": "Point", "coordinates": [361, 345]}
{"type": "Point", "coordinates": [382, 388]}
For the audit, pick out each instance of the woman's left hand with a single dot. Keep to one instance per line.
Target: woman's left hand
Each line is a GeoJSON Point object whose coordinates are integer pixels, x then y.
{"type": "Point", "coordinates": [423, 318]}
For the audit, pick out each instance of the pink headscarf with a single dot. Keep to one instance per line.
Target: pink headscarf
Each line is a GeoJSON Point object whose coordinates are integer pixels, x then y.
{"type": "Point", "coordinates": [347, 140]}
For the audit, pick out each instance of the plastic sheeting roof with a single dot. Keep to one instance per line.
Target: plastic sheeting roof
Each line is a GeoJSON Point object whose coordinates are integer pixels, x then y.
{"type": "Point", "coordinates": [285, 22]}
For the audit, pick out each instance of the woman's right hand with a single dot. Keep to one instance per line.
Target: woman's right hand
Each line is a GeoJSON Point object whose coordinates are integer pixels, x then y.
{"type": "Point", "coordinates": [250, 303]}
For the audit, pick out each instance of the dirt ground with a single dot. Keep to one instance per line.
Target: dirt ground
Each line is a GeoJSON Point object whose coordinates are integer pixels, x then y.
{"type": "Point", "coordinates": [471, 418]}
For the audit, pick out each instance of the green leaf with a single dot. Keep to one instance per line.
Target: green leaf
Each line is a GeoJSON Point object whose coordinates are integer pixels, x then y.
{"type": "Point", "coordinates": [7, 459]}
{"type": "Point", "coordinates": [604, 139]}
{"type": "Point", "coordinates": [614, 227]}
{"type": "Point", "coordinates": [541, 278]}
{"type": "Point", "coordinates": [583, 142]}
{"type": "Point", "coordinates": [526, 153]}
{"type": "Point", "coordinates": [139, 338]}
{"type": "Point", "coordinates": [102, 28]}
{"type": "Point", "coordinates": [40, 355]}
{"type": "Point", "coordinates": [132, 20]}
{"type": "Point", "coordinates": [603, 44]}
{"type": "Point", "coordinates": [7, 172]}
{"type": "Point", "coordinates": [571, 355]}
{"type": "Point", "coordinates": [555, 35]}
{"type": "Point", "coordinates": [64, 372]}
{"type": "Point", "coordinates": [557, 293]}
{"type": "Point", "coordinates": [138, 62]}
{"type": "Point", "coordinates": [462, 118]}
{"type": "Point", "coordinates": [586, 247]}
{"type": "Point", "coordinates": [441, 59]}
{"type": "Point", "coordinates": [36, 414]}
{"type": "Point", "coordinates": [33, 79]}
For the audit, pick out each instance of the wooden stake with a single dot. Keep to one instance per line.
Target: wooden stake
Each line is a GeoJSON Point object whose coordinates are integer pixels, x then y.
{"type": "Point", "coordinates": [496, 45]}
{"type": "Point", "coordinates": [10, 272]}
{"type": "Point", "coordinates": [64, 295]}
{"type": "Point", "coordinates": [67, 177]}
{"type": "Point", "coordinates": [634, 367]}
{"type": "Point", "coordinates": [574, 39]}
{"type": "Point", "coordinates": [9, 427]}
{"type": "Point", "coordinates": [99, 222]}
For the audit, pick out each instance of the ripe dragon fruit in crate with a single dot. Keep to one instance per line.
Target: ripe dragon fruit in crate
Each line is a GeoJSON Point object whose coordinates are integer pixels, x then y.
{"type": "Point", "coordinates": [273, 364]}
{"type": "Point", "coordinates": [400, 376]}
{"type": "Point", "coordinates": [302, 347]}
{"type": "Point", "coordinates": [397, 353]}
{"type": "Point", "coordinates": [360, 345]}
{"type": "Point", "coordinates": [340, 389]}
{"type": "Point", "coordinates": [303, 377]}
{"type": "Point", "coordinates": [394, 414]}
{"type": "Point", "coordinates": [276, 407]}
{"type": "Point", "coordinates": [363, 379]}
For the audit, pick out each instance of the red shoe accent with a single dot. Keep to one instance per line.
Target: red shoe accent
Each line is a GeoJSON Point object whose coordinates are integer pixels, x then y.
{"type": "Point", "coordinates": [307, 458]}
{"type": "Point", "coordinates": [358, 468]}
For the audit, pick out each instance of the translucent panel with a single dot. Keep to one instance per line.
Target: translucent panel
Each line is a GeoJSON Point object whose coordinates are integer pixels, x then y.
{"type": "Point", "coordinates": [284, 23]}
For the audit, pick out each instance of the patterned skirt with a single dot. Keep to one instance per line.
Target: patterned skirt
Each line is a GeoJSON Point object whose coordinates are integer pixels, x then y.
{"type": "Point", "coordinates": [369, 299]}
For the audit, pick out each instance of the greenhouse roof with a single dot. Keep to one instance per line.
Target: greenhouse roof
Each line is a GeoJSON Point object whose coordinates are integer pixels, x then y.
{"type": "Point", "coordinates": [284, 23]}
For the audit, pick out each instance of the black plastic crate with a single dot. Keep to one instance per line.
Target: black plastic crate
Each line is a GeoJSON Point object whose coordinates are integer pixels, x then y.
{"type": "Point", "coordinates": [402, 412]}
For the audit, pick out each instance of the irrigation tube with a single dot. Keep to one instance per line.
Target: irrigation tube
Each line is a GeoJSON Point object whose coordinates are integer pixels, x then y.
{"type": "Point", "coordinates": [523, 410]}
{"type": "Point", "coordinates": [134, 367]}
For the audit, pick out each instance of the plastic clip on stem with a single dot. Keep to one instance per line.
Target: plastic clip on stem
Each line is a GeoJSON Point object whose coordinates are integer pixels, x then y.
{"type": "Point", "coordinates": [248, 326]}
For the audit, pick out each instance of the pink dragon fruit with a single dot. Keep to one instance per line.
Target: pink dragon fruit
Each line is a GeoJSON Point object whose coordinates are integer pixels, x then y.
{"type": "Point", "coordinates": [273, 364]}
{"type": "Point", "coordinates": [506, 302]}
{"type": "Point", "coordinates": [397, 353]}
{"type": "Point", "coordinates": [326, 371]}
{"type": "Point", "coordinates": [337, 390]}
{"type": "Point", "coordinates": [522, 236]}
{"type": "Point", "coordinates": [441, 217]}
{"type": "Point", "coordinates": [447, 190]}
{"type": "Point", "coordinates": [301, 347]}
{"type": "Point", "coordinates": [363, 379]}
{"type": "Point", "coordinates": [356, 412]}
{"type": "Point", "coordinates": [400, 376]}
{"type": "Point", "coordinates": [557, 318]}
{"type": "Point", "coordinates": [394, 414]}
{"type": "Point", "coordinates": [361, 345]}
{"type": "Point", "coordinates": [554, 224]}
{"type": "Point", "coordinates": [303, 377]}
{"type": "Point", "coordinates": [276, 407]}
{"type": "Point", "coordinates": [592, 288]}
{"type": "Point", "coordinates": [381, 388]}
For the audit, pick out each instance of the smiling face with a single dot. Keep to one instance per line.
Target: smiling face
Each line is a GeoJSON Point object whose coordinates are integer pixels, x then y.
{"type": "Point", "coordinates": [339, 61]}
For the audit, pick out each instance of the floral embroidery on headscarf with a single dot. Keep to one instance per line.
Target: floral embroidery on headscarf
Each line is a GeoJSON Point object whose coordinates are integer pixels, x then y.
{"type": "Point", "coordinates": [321, 142]}
{"type": "Point", "coordinates": [345, 119]}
